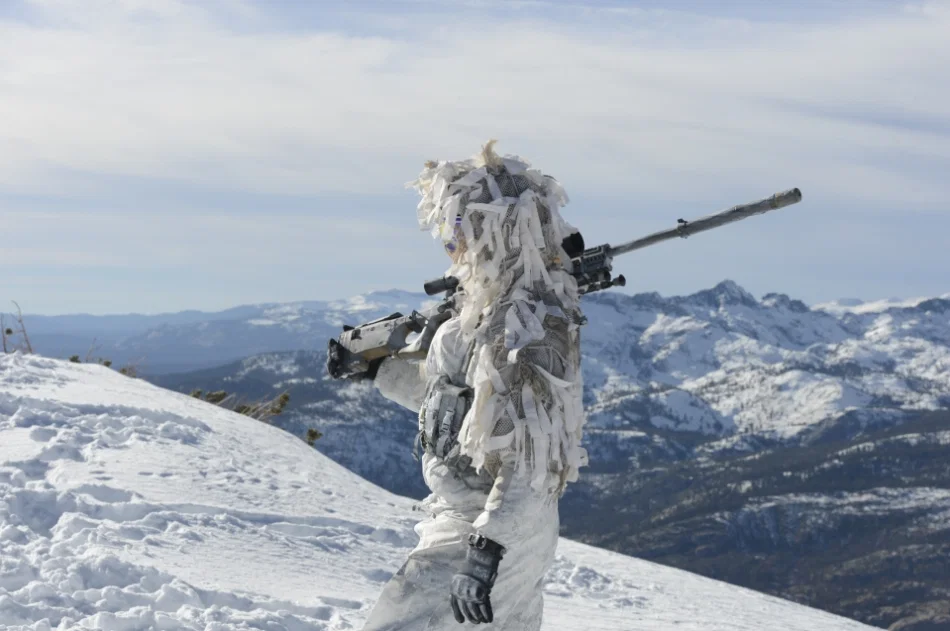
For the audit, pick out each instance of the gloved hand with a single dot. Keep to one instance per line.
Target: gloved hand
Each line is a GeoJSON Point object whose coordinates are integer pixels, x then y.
{"type": "Point", "coordinates": [471, 587]}
{"type": "Point", "coordinates": [335, 355]}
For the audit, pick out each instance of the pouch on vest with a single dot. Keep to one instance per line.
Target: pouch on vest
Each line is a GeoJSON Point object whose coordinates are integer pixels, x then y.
{"type": "Point", "coordinates": [441, 417]}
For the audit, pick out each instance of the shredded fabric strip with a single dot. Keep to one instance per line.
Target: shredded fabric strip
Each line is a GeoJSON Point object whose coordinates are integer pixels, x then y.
{"type": "Point", "coordinates": [519, 309]}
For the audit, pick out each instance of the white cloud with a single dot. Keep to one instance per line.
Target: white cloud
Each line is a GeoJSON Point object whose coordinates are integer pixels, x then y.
{"type": "Point", "coordinates": [646, 101]}
{"type": "Point", "coordinates": [205, 240]}
{"type": "Point", "coordinates": [139, 126]}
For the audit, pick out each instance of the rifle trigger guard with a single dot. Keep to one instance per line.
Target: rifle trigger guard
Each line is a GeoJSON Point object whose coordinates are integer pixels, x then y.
{"type": "Point", "coordinates": [419, 322]}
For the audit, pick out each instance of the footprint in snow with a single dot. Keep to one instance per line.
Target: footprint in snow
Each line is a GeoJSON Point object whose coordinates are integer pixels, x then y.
{"type": "Point", "coordinates": [61, 452]}
{"type": "Point", "coordinates": [103, 493]}
{"type": "Point", "coordinates": [43, 434]}
{"type": "Point", "coordinates": [342, 603]}
{"type": "Point", "coordinates": [378, 576]}
{"type": "Point", "coordinates": [31, 470]}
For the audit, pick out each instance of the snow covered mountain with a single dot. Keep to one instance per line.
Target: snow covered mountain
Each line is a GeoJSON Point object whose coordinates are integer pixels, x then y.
{"type": "Point", "coordinates": [192, 339]}
{"type": "Point", "coordinates": [717, 362]}
{"type": "Point", "coordinates": [721, 363]}
{"type": "Point", "coordinates": [661, 374]}
{"type": "Point", "coordinates": [126, 506]}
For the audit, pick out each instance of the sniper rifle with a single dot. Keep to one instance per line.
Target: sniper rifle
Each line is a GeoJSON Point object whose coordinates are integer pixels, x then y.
{"type": "Point", "coordinates": [359, 349]}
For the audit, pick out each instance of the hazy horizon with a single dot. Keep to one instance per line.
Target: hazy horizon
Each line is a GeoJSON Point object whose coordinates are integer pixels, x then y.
{"type": "Point", "coordinates": [844, 300]}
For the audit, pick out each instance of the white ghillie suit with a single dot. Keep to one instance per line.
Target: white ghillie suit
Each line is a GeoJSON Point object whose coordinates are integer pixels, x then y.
{"type": "Point", "coordinates": [514, 340]}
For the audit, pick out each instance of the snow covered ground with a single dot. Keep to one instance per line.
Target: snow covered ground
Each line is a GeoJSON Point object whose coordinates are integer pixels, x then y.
{"type": "Point", "coordinates": [125, 506]}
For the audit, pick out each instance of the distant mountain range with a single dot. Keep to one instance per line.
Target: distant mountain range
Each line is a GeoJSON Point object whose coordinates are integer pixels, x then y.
{"type": "Point", "coordinates": [175, 342]}
{"type": "Point", "coordinates": [797, 450]}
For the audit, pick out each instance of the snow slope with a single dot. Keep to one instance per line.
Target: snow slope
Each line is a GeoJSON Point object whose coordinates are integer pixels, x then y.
{"type": "Point", "coordinates": [126, 506]}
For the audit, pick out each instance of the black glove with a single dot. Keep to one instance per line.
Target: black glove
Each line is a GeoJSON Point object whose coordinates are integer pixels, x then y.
{"type": "Point", "coordinates": [472, 585]}
{"type": "Point", "coordinates": [338, 358]}
{"type": "Point", "coordinates": [335, 354]}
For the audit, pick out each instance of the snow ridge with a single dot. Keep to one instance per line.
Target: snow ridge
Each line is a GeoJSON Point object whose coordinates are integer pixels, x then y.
{"type": "Point", "coordinates": [124, 506]}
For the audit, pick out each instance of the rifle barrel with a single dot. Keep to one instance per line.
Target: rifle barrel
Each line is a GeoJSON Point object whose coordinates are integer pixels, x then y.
{"type": "Point", "coordinates": [736, 213]}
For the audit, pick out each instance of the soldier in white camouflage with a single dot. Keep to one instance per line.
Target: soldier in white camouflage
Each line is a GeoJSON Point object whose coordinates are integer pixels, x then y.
{"type": "Point", "coordinates": [499, 400]}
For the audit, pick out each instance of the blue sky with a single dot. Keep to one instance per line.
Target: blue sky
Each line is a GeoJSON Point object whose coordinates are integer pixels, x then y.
{"type": "Point", "coordinates": [158, 155]}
